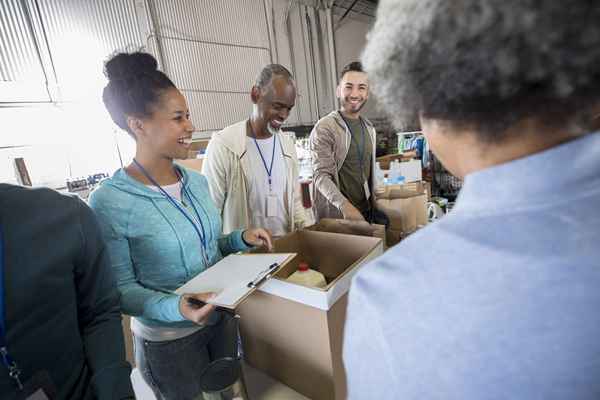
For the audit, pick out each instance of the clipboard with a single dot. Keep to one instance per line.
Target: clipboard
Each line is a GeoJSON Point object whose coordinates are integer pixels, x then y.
{"type": "Point", "coordinates": [235, 277]}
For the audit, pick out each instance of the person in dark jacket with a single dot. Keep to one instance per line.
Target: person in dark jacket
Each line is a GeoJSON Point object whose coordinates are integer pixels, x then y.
{"type": "Point", "coordinates": [62, 323]}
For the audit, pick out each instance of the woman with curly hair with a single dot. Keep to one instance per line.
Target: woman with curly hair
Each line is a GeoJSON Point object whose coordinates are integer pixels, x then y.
{"type": "Point", "coordinates": [499, 299]}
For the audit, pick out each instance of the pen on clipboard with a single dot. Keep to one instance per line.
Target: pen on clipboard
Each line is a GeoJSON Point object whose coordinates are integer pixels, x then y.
{"type": "Point", "coordinates": [194, 302]}
{"type": "Point", "coordinates": [263, 276]}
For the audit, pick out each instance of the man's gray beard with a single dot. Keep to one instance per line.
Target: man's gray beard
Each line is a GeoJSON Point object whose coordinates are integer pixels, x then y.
{"type": "Point", "coordinates": [271, 130]}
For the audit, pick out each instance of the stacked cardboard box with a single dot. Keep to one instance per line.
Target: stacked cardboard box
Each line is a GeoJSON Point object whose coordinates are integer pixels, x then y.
{"type": "Point", "coordinates": [384, 161]}
{"type": "Point", "coordinates": [195, 155]}
{"type": "Point", "coordinates": [406, 207]}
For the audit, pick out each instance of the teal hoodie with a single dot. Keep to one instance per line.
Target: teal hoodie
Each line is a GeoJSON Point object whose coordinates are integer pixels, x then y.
{"type": "Point", "coordinates": [154, 249]}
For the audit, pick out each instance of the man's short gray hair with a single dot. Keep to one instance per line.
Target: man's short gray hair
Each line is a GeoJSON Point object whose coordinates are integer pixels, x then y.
{"type": "Point", "coordinates": [268, 72]}
{"type": "Point", "coordinates": [485, 62]}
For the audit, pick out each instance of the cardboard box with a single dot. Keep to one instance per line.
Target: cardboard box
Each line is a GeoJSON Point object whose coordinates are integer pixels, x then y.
{"type": "Point", "coordinates": [294, 333]}
{"type": "Point", "coordinates": [412, 170]}
{"type": "Point", "coordinates": [394, 236]}
{"type": "Point", "coordinates": [427, 188]}
{"type": "Point", "coordinates": [384, 161]}
{"type": "Point", "coordinates": [405, 213]}
{"type": "Point", "coordinates": [195, 155]}
{"type": "Point", "coordinates": [406, 207]}
{"type": "Point", "coordinates": [359, 228]}
{"type": "Point", "coordinates": [403, 190]}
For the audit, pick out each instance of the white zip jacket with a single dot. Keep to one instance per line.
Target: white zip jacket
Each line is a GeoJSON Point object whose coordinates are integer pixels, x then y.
{"type": "Point", "coordinates": [225, 165]}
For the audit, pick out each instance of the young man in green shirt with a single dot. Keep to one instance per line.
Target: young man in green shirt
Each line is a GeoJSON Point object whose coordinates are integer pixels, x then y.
{"type": "Point", "coordinates": [343, 154]}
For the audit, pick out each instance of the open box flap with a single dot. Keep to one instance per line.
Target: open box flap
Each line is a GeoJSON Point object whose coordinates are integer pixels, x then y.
{"type": "Point", "coordinates": [324, 299]}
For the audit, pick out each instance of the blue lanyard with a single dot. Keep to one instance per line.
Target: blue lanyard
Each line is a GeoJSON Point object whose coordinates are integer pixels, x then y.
{"type": "Point", "coordinates": [361, 152]}
{"type": "Point", "coordinates": [201, 235]}
{"type": "Point", "coordinates": [270, 169]}
{"type": "Point", "coordinates": [13, 370]}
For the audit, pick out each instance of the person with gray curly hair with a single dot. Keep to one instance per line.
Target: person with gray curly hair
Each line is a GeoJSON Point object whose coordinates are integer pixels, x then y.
{"type": "Point", "coordinates": [499, 298]}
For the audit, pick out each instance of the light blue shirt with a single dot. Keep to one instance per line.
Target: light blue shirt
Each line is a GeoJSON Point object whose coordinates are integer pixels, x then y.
{"type": "Point", "coordinates": [500, 299]}
{"type": "Point", "coordinates": [153, 247]}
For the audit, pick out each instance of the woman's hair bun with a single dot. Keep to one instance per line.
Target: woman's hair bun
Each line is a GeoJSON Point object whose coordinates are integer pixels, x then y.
{"type": "Point", "coordinates": [124, 65]}
{"type": "Point", "coordinates": [134, 86]}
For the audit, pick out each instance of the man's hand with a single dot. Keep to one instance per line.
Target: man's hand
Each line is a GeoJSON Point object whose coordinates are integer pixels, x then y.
{"type": "Point", "coordinates": [350, 212]}
{"type": "Point", "coordinates": [258, 237]}
{"type": "Point", "coordinates": [190, 306]}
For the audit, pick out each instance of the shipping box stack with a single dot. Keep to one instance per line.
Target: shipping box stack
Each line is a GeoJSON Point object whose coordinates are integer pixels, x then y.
{"type": "Point", "coordinates": [384, 161]}
{"type": "Point", "coordinates": [294, 333]}
{"type": "Point", "coordinates": [406, 207]}
{"type": "Point", "coordinates": [195, 155]}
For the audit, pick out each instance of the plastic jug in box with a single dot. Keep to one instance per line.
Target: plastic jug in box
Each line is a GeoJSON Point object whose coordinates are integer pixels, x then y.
{"type": "Point", "coordinates": [308, 277]}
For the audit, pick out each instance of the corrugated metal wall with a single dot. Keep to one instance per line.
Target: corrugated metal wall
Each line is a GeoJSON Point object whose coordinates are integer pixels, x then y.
{"type": "Point", "coordinates": [53, 50]}
{"type": "Point", "coordinates": [212, 49]}
{"type": "Point", "coordinates": [72, 39]}
{"type": "Point", "coordinates": [80, 36]}
{"type": "Point", "coordinates": [21, 74]}
{"type": "Point", "coordinates": [240, 22]}
{"type": "Point", "coordinates": [296, 26]}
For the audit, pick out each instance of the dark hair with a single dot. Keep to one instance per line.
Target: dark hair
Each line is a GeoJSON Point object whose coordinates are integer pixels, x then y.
{"type": "Point", "coordinates": [354, 66]}
{"type": "Point", "coordinates": [134, 86]}
{"type": "Point", "coordinates": [269, 71]}
{"type": "Point", "coordinates": [486, 63]}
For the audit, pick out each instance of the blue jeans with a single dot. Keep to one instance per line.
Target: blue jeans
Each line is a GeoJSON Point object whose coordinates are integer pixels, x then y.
{"type": "Point", "coordinates": [172, 368]}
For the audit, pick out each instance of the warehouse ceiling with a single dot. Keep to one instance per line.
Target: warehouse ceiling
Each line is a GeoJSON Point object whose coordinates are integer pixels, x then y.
{"type": "Point", "coordinates": [361, 7]}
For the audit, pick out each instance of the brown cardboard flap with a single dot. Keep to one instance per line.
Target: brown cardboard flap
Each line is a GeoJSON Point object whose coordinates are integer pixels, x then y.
{"type": "Point", "coordinates": [384, 161]}
{"type": "Point", "coordinates": [315, 248]}
{"type": "Point", "coordinates": [403, 191]}
{"type": "Point", "coordinates": [359, 228]}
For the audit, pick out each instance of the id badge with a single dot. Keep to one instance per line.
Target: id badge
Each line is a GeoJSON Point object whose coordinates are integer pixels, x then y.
{"type": "Point", "coordinates": [367, 190]}
{"type": "Point", "coordinates": [271, 205]}
{"type": "Point", "coordinates": [38, 387]}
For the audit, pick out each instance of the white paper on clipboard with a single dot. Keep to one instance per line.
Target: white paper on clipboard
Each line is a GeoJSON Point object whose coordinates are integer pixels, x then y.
{"type": "Point", "coordinates": [230, 277]}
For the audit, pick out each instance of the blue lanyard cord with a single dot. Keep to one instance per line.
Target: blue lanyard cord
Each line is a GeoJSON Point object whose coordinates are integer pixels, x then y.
{"type": "Point", "coordinates": [189, 196]}
{"type": "Point", "coordinates": [270, 169]}
{"type": "Point", "coordinates": [201, 235]}
{"type": "Point", "coordinates": [361, 152]}
{"type": "Point", "coordinates": [13, 370]}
